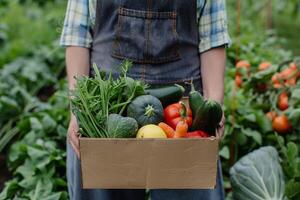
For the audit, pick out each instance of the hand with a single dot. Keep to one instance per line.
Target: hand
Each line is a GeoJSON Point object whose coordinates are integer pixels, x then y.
{"type": "Point", "coordinates": [220, 130]}
{"type": "Point", "coordinates": [73, 136]}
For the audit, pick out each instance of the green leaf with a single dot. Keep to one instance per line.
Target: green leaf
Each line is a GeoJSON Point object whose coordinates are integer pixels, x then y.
{"type": "Point", "coordinates": [28, 183]}
{"type": "Point", "coordinates": [8, 103]}
{"type": "Point", "coordinates": [51, 146]}
{"type": "Point", "coordinates": [36, 154]}
{"type": "Point", "coordinates": [10, 189]}
{"type": "Point", "coordinates": [264, 75]}
{"type": "Point", "coordinates": [295, 97]}
{"type": "Point", "coordinates": [263, 122]}
{"type": "Point", "coordinates": [42, 189]}
{"type": "Point", "coordinates": [48, 123]}
{"type": "Point", "coordinates": [17, 154]}
{"type": "Point", "coordinates": [62, 131]}
{"type": "Point", "coordinates": [64, 196]}
{"type": "Point", "coordinates": [292, 189]}
{"type": "Point", "coordinates": [60, 182]}
{"type": "Point", "coordinates": [26, 170]}
{"type": "Point", "coordinates": [292, 151]}
{"type": "Point", "coordinates": [241, 138]}
{"type": "Point", "coordinates": [35, 124]}
{"type": "Point", "coordinates": [280, 141]}
{"type": "Point", "coordinates": [253, 134]}
{"type": "Point", "coordinates": [294, 117]}
{"type": "Point", "coordinates": [24, 125]}
{"type": "Point", "coordinates": [8, 107]}
{"type": "Point", "coordinates": [250, 117]}
{"type": "Point", "coordinates": [55, 196]}
{"type": "Point", "coordinates": [224, 152]}
{"type": "Point", "coordinates": [297, 175]}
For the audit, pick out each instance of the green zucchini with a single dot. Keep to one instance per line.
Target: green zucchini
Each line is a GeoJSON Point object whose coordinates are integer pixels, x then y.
{"type": "Point", "coordinates": [167, 94]}
{"type": "Point", "coordinates": [208, 117]}
{"type": "Point", "coordinates": [195, 99]}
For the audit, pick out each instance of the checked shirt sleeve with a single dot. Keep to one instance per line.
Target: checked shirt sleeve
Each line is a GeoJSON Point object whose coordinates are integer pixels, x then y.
{"type": "Point", "coordinates": [212, 24]}
{"type": "Point", "coordinates": [77, 25]}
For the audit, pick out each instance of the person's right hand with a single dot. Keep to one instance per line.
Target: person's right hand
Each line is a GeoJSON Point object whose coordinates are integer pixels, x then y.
{"type": "Point", "coordinates": [73, 135]}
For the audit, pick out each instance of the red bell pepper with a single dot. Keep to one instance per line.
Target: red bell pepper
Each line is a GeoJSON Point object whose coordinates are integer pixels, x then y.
{"type": "Point", "coordinates": [197, 134]}
{"type": "Point", "coordinates": [177, 112]}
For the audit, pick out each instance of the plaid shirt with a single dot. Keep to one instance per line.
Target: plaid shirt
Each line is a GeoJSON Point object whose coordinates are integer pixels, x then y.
{"type": "Point", "coordinates": [80, 20]}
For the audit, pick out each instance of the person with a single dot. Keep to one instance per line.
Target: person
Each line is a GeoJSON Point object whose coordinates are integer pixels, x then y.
{"type": "Point", "coordinates": [167, 41]}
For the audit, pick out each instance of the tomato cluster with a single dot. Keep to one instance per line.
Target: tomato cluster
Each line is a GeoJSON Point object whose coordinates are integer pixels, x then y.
{"type": "Point", "coordinates": [282, 80]}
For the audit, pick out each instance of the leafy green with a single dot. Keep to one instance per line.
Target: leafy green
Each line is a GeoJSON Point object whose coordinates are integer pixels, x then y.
{"type": "Point", "coordinates": [258, 175]}
{"type": "Point", "coordinates": [294, 117]}
{"type": "Point", "coordinates": [11, 187]}
{"type": "Point", "coordinates": [121, 127]}
{"type": "Point", "coordinates": [37, 160]}
{"type": "Point", "coordinates": [291, 166]}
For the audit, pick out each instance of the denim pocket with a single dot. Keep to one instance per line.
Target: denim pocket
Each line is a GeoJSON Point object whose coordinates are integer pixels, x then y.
{"type": "Point", "coordinates": [146, 37]}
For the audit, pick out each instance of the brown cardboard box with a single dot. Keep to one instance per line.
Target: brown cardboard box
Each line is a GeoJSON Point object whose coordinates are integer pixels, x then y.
{"type": "Point", "coordinates": [149, 163]}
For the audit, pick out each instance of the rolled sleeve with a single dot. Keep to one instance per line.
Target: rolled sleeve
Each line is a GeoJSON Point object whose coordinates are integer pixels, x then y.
{"type": "Point", "coordinates": [213, 31]}
{"type": "Point", "coordinates": [77, 25]}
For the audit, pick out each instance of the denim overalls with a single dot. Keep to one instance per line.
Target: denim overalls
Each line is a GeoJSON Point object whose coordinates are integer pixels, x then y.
{"type": "Point", "coordinates": [161, 38]}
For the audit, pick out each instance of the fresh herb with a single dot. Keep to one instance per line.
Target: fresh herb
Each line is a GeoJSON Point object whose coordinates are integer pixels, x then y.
{"type": "Point", "coordinates": [94, 98]}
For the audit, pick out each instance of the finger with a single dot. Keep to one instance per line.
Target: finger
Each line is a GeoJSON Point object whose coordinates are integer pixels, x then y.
{"type": "Point", "coordinates": [74, 126]}
{"type": "Point", "coordinates": [75, 150]}
{"type": "Point", "coordinates": [219, 132]}
{"type": "Point", "coordinates": [222, 122]}
{"type": "Point", "coordinates": [74, 138]}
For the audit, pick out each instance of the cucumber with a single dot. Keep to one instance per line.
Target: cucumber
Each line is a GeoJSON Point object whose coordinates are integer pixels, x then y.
{"type": "Point", "coordinates": [195, 99]}
{"type": "Point", "coordinates": [167, 94]}
{"type": "Point", "coordinates": [208, 117]}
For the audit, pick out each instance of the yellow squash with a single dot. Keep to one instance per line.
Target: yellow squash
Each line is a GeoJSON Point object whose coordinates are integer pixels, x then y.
{"type": "Point", "coordinates": [151, 131]}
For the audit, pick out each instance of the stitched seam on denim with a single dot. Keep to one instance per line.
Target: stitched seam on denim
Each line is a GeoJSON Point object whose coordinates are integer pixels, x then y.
{"type": "Point", "coordinates": [141, 59]}
{"type": "Point", "coordinates": [149, 6]}
{"type": "Point", "coordinates": [147, 41]}
{"type": "Point", "coordinates": [97, 24]}
{"type": "Point", "coordinates": [118, 30]}
{"type": "Point", "coordinates": [176, 46]}
{"type": "Point", "coordinates": [146, 59]}
{"type": "Point", "coordinates": [152, 61]}
{"type": "Point", "coordinates": [116, 44]}
{"type": "Point", "coordinates": [147, 32]}
{"type": "Point", "coordinates": [146, 14]}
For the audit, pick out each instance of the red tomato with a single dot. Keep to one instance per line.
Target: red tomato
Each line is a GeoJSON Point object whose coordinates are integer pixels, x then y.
{"type": "Point", "coordinates": [287, 72]}
{"type": "Point", "coordinates": [291, 82]}
{"type": "Point", "coordinates": [238, 80]}
{"type": "Point", "coordinates": [264, 66]}
{"type": "Point", "coordinates": [276, 80]}
{"type": "Point", "coordinates": [283, 101]}
{"type": "Point", "coordinates": [281, 124]}
{"type": "Point", "coordinates": [243, 64]}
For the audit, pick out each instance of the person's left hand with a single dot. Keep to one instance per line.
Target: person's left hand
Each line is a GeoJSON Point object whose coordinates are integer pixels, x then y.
{"type": "Point", "coordinates": [221, 129]}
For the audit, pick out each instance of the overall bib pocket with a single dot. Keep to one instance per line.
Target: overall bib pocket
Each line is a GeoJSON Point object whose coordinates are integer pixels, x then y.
{"type": "Point", "coordinates": [146, 37]}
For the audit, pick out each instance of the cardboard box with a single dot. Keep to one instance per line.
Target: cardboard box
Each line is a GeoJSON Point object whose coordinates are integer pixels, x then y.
{"type": "Point", "coordinates": [149, 163]}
